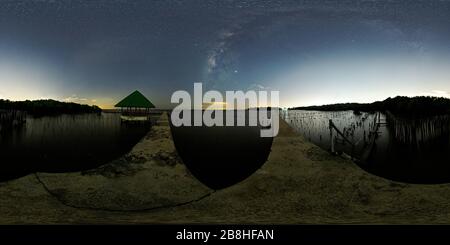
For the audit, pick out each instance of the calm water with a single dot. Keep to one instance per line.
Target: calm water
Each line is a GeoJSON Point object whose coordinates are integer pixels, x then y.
{"type": "Point", "coordinates": [66, 143]}
{"type": "Point", "coordinates": [415, 151]}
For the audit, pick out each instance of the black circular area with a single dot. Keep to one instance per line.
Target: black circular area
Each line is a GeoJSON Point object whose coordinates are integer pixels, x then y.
{"type": "Point", "coordinates": [221, 156]}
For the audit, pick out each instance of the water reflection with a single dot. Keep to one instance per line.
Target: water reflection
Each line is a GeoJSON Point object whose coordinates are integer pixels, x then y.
{"type": "Point", "coordinates": [65, 143]}
{"type": "Point", "coordinates": [408, 150]}
{"type": "Point", "coordinates": [314, 126]}
{"type": "Point", "coordinates": [415, 151]}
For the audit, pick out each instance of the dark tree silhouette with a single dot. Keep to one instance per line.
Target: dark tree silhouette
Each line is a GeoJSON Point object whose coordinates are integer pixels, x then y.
{"type": "Point", "coordinates": [420, 106]}
{"type": "Point", "coordinates": [47, 107]}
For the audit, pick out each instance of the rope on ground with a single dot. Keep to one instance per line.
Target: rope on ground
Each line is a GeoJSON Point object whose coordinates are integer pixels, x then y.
{"type": "Point", "coordinates": [57, 198]}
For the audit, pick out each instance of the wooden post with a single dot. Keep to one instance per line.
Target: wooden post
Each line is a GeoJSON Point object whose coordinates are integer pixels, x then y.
{"type": "Point", "coordinates": [331, 136]}
{"type": "Point", "coordinates": [365, 141]}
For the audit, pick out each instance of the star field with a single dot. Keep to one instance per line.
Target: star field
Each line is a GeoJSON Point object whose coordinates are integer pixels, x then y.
{"type": "Point", "coordinates": [313, 52]}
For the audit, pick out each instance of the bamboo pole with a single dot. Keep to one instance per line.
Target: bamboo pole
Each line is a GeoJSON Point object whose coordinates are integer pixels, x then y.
{"type": "Point", "coordinates": [331, 136]}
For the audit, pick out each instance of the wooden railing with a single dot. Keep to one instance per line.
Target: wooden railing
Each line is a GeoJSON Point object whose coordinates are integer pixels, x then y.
{"type": "Point", "coordinates": [334, 129]}
{"type": "Point", "coordinates": [368, 144]}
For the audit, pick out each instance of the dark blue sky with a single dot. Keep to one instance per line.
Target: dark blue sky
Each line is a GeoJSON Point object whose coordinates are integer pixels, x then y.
{"type": "Point", "coordinates": [313, 52]}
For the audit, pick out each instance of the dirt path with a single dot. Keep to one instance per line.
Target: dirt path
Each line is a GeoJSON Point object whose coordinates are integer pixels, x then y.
{"type": "Point", "coordinates": [300, 183]}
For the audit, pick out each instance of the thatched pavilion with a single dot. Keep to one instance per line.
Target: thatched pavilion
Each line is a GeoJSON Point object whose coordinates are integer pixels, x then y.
{"type": "Point", "coordinates": [135, 107]}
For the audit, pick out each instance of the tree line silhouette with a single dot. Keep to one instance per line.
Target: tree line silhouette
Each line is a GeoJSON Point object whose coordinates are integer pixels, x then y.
{"type": "Point", "coordinates": [47, 107]}
{"type": "Point", "coordinates": [420, 106]}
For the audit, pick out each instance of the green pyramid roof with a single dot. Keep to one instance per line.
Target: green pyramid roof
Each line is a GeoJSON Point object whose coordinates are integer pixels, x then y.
{"type": "Point", "coordinates": [135, 99]}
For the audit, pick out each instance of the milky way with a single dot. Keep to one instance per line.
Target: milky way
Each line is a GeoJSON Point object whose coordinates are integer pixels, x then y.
{"type": "Point", "coordinates": [313, 52]}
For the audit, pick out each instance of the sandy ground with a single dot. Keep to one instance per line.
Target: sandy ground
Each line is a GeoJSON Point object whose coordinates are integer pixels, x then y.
{"type": "Point", "coordinates": [299, 184]}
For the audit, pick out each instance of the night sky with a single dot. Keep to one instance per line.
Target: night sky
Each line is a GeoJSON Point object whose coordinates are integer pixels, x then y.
{"type": "Point", "coordinates": [313, 52]}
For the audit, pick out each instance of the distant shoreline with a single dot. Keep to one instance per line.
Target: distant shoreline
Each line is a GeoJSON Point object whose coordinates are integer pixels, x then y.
{"type": "Point", "coordinates": [420, 106]}
{"type": "Point", "coordinates": [47, 107]}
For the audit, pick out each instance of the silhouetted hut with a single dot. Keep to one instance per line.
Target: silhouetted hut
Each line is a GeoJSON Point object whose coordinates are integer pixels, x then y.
{"type": "Point", "coordinates": [135, 107]}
